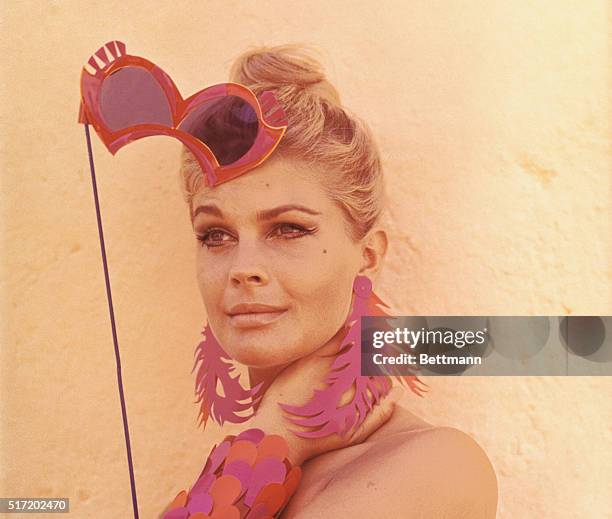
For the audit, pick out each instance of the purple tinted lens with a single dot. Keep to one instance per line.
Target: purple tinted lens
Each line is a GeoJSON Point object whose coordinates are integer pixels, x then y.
{"type": "Point", "coordinates": [131, 96]}
{"type": "Point", "coordinates": [227, 125]}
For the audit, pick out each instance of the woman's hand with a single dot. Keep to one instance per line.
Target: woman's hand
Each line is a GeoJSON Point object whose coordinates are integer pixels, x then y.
{"type": "Point", "coordinates": [294, 386]}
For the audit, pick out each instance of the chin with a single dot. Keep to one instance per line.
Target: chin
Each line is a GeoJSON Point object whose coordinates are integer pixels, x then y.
{"type": "Point", "coordinates": [261, 348]}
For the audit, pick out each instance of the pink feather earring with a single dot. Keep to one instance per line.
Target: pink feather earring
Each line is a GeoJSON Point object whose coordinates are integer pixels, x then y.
{"type": "Point", "coordinates": [322, 411]}
{"type": "Point", "coordinates": [216, 368]}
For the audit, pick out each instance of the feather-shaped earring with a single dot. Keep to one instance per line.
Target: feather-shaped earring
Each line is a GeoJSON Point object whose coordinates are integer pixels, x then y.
{"type": "Point", "coordinates": [216, 369]}
{"type": "Point", "coordinates": [322, 411]}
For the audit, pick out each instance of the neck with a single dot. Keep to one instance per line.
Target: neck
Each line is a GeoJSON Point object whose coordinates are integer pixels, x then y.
{"type": "Point", "coordinates": [265, 375]}
{"type": "Point", "coordinates": [268, 374]}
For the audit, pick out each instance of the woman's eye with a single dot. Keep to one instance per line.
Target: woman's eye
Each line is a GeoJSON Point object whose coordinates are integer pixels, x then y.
{"type": "Point", "coordinates": [290, 230]}
{"type": "Point", "coordinates": [214, 238]}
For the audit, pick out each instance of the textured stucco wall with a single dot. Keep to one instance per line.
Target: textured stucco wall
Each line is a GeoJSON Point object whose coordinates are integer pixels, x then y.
{"type": "Point", "coordinates": [494, 123]}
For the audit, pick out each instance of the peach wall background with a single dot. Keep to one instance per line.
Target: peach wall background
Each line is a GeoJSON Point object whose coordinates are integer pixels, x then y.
{"type": "Point", "coordinates": [494, 124]}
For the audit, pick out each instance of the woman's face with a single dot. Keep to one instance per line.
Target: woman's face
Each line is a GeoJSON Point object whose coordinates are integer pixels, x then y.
{"type": "Point", "coordinates": [275, 265]}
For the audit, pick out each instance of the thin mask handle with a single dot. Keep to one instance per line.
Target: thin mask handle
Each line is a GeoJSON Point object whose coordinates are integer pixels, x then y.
{"type": "Point", "coordinates": [113, 327]}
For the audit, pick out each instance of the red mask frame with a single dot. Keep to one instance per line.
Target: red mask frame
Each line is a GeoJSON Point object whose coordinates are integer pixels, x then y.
{"type": "Point", "coordinates": [127, 98]}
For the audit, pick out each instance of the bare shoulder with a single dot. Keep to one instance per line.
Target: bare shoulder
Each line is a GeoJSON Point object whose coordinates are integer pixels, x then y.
{"type": "Point", "coordinates": [440, 445]}
{"type": "Point", "coordinates": [409, 468]}
{"type": "Point", "coordinates": [442, 471]}
{"type": "Point", "coordinates": [448, 452]}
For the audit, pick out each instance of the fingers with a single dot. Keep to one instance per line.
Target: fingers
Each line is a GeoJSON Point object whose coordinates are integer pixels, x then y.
{"type": "Point", "coordinates": [378, 416]}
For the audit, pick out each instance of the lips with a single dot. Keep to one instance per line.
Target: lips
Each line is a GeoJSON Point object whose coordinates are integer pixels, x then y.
{"type": "Point", "coordinates": [251, 315]}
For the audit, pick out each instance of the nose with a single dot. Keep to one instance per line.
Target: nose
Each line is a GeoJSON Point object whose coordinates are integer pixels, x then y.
{"type": "Point", "coordinates": [248, 268]}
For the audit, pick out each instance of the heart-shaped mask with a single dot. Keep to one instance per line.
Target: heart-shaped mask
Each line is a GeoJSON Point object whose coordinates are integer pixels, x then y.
{"type": "Point", "coordinates": [226, 126]}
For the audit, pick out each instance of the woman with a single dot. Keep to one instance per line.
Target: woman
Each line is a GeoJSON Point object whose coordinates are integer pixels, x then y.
{"type": "Point", "coordinates": [278, 251]}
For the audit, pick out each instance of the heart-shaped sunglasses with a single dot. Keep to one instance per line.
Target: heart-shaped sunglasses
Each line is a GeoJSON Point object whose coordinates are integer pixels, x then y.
{"type": "Point", "coordinates": [226, 126]}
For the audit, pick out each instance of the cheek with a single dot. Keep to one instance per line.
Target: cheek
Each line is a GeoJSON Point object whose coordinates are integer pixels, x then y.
{"type": "Point", "coordinates": [210, 279]}
{"type": "Point", "coordinates": [322, 298]}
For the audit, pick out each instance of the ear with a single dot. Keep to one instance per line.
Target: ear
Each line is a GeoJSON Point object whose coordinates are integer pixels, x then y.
{"type": "Point", "coordinates": [374, 250]}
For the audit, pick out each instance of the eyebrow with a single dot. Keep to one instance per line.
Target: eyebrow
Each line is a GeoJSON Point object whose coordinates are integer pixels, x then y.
{"type": "Point", "coordinates": [267, 214]}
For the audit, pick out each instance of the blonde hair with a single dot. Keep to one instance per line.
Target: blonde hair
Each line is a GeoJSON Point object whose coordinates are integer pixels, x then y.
{"type": "Point", "coordinates": [321, 132]}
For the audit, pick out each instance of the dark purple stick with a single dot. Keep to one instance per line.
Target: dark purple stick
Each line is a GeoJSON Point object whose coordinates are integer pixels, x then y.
{"type": "Point", "coordinates": [112, 318]}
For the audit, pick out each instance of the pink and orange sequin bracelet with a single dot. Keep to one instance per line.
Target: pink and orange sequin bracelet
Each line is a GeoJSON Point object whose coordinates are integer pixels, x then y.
{"type": "Point", "coordinates": [246, 476]}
